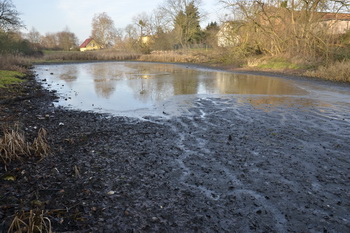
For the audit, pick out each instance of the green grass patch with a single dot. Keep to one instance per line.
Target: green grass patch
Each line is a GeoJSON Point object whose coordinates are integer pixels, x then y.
{"type": "Point", "coordinates": [10, 77]}
{"type": "Point", "coordinates": [279, 65]}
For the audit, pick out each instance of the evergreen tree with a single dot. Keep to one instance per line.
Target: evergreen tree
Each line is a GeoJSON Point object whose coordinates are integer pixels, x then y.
{"type": "Point", "coordinates": [180, 27]}
{"type": "Point", "coordinates": [210, 34]}
{"type": "Point", "coordinates": [194, 29]}
{"type": "Point", "coordinates": [187, 27]}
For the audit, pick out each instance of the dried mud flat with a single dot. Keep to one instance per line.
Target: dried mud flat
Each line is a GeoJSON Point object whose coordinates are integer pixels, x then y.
{"type": "Point", "coordinates": [225, 166]}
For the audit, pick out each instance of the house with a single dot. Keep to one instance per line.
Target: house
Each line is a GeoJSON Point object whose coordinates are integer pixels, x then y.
{"type": "Point", "coordinates": [278, 20]}
{"type": "Point", "coordinates": [89, 44]}
{"type": "Point", "coordinates": [335, 23]}
{"type": "Point", "coordinates": [227, 35]}
{"type": "Point", "coordinates": [145, 40]}
{"type": "Point", "coordinates": [331, 22]}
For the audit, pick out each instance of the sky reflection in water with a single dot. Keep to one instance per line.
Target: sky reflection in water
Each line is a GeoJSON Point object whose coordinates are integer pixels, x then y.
{"type": "Point", "coordinates": [121, 87]}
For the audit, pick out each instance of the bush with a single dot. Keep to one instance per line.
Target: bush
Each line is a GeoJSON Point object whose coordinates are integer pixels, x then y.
{"type": "Point", "coordinates": [10, 43]}
{"type": "Point", "coordinates": [14, 62]}
{"type": "Point", "coordinates": [337, 71]}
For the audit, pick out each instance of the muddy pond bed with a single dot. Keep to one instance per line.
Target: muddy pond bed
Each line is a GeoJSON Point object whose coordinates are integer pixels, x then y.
{"type": "Point", "coordinates": [237, 162]}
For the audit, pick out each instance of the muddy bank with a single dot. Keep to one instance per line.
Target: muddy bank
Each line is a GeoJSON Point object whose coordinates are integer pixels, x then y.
{"type": "Point", "coordinates": [226, 166]}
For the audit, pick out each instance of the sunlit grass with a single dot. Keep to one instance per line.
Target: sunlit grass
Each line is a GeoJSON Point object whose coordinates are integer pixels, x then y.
{"type": "Point", "coordinates": [178, 56]}
{"type": "Point", "coordinates": [278, 64]}
{"type": "Point", "coordinates": [10, 77]}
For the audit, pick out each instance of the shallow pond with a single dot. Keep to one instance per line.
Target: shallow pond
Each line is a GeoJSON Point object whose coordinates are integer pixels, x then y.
{"type": "Point", "coordinates": [138, 88]}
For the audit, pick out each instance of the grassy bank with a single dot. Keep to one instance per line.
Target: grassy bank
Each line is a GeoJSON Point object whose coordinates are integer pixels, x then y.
{"type": "Point", "coordinates": [330, 70]}
{"type": "Point", "coordinates": [15, 62]}
{"type": "Point", "coordinates": [12, 69]}
{"type": "Point", "coordinates": [337, 71]}
{"type": "Point", "coordinates": [180, 56]}
{"type": "Point", "coordinates": [10, 77]}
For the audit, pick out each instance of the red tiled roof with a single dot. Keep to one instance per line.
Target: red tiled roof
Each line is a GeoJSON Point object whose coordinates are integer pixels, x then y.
{"type": "Point", "coordinates": [85, 43]}
{"type": "Point", "coordinates": [335, 16]}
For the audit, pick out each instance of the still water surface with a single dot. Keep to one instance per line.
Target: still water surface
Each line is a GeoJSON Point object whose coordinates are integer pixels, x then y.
{"type": "Point", "coordinates": [137, 88]}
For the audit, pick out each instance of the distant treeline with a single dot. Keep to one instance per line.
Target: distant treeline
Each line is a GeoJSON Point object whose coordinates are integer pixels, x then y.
{"type": "Point", "coordinates": [11, 43]}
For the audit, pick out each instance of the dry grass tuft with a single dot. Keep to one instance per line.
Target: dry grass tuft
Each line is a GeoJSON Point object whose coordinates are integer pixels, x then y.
{"type": "Point", "coordinates": [13, 145]}
{"type": "Point", "coordinates": [30, 222]}
{"type": "Point", "coordinates": [14, 62]}
{"type": "Point", "coordinates": [338, 71]}
{"type": "Point", "coordinates": [40, 147]}
{"type": "Point", "coordinates": [76, 171]}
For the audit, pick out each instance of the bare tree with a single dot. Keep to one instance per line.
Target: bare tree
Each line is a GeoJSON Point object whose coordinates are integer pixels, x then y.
{"type": "Point", "coordinates": [160, 24]}
{"type": "Point", "coordinates": [130, 32]}
{"type": "Point", "coordinates": [50, 41]}
{"type": "Point", "coordinates": [9, 16]}
{"type": "Point", "coordinates": [103, 29]}
{"type": "Point", "coordinates": [131, 37]}
{"type": "Point", "coordinates": [67, 40]}
{"type": "Point", "coordinates": [284, 26]}
{"type": "Point", "coordinates": [171, 9]}
{"type": "Point", "coordinates": [118, 41]}
{"type": "Point", "coordinates": [34, 36]}
{"type": "Point", "coordinates": [144, 22]}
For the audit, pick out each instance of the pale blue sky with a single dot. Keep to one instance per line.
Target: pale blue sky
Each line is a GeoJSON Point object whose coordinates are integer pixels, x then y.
{"type": "Point", "coordinates": [54, 15]}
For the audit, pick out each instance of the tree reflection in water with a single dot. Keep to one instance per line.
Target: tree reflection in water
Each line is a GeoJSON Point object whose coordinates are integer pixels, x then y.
{"type": "Point", "coordinates": [105, 80]}
{"type": "Point", "coordinates": [128, 86]}
{"type": "Point", "coordinates": [70, 75]}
